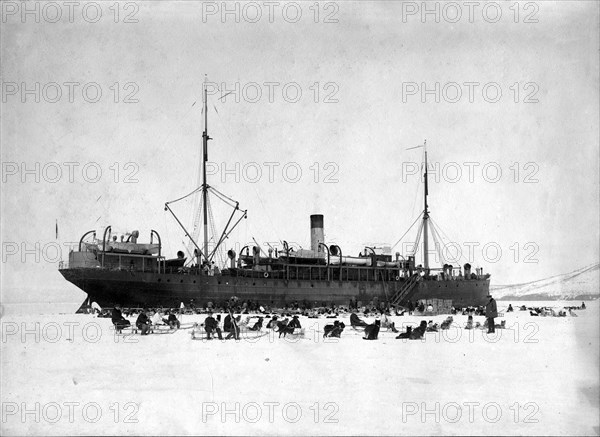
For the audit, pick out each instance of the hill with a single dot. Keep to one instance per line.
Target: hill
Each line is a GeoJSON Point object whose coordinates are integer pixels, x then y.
{"type": "Point", "coordinates": [580, 284]}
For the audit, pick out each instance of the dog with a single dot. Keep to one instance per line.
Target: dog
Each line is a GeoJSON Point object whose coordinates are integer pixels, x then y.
{"type": "Point", "coordinates": [284, 329]}
{"type": "Point", "coordinates": [446, 323]}
{"type": "Point", "coordinates": [334, 330]}
{"type": "Point", "coordinates": [372, 331]}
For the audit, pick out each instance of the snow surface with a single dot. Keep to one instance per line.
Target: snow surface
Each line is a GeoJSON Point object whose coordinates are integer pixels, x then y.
{"type": "Point", "coordinates": [541, 376]}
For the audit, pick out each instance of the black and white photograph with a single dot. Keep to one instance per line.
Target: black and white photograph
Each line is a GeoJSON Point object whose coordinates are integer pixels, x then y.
{"type": "Point", "coordinates": [299, 218]}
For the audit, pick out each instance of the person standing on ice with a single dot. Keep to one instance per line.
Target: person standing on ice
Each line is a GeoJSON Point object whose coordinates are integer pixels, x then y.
{"type": "Point", "coordinates": [491, 312]}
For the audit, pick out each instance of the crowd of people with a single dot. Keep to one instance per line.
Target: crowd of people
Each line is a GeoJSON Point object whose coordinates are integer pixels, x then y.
{"type": "Point", "coordinates": [147, 320]}
{"type": "Point", "coordinates": [238, 319]}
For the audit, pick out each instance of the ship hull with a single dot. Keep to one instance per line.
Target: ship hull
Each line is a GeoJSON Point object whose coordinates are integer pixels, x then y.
{"type": "Point", "coordinates": [146, 289]}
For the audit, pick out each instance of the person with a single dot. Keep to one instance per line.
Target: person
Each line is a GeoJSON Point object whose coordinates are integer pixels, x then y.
{"type": "Point", "coordinates": [372, 331]}
{"type": "Point", "coordinates": [386, 322]}
{"type": "Point", "coordinates": [143, 323]}
{"type": "Point", "coordinates": [258, 325]}
{"type": "Point", "coordinates": [356, 321]}
{"type": "Point", "coordinates": [419, 331]}
{"type": "Point", "coordinates": [211, 326]}
{"type": "Point", "coordinates": [234, 330]}
{"type": "Point", "coordinates": [582, 305]}
{"type": "Point", "coordinates": [295, 323]}
{"type": "Point", "coordinates": [244, 323]}
{"type": "Point", "coordinates": [172, 321]}
{"type": "Point", "coordinates": [157, 318]}
{"type": "Point", "coordinates": [272, 323]}
{"type": "Point", "coordinates": [510, 308]}
{"type": "Point", "coordinates": [313, 314]}
{"type": "Point", "coordinates": [118, 320]}
{"type": "Point", "coordinates": [469, 324]}
{"type": "Point", "coordinates": [491, 312]}
{"type": "Point", "coordinates": [334, 330]}
{"type": "Point", "coordinates": [227, 323]}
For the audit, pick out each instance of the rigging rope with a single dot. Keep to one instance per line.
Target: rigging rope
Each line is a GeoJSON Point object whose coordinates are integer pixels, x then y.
{"type": "Point", "coordinates": [187, 195]}
{"type": "Point", "coordinates": [225, 199]}
{"type": "Point", "coordinates": [400, 239]}
{"type": "Point", "coordinates": [447, 238]}
{"type": "Point", "coordinates": [418, 239]}
{"type": "Point", "coordinates": [438, 247]}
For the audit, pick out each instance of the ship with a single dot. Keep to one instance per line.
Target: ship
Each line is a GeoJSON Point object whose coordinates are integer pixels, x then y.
{"type": "Point", "coordinates": [138, 275]}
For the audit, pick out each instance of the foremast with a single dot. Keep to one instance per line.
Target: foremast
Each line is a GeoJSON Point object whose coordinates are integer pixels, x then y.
{"type": "Point", "coordinates": [204, 189]}
{"type": "Point", "coordinates": [425, 215]}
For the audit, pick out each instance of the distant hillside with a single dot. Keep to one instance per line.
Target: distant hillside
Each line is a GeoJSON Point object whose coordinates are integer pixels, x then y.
{"type": "Point", "coordinates": [581, 284]}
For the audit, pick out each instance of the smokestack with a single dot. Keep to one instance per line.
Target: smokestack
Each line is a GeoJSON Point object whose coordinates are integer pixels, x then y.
{"type": "Point", "coordinates": [256, 256]}
{"type": "Point", "coordinates": [316, 232]}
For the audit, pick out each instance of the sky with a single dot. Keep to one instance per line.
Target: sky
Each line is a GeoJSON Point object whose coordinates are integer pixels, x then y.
{"type": "Point", "coordinates": [312, 107]}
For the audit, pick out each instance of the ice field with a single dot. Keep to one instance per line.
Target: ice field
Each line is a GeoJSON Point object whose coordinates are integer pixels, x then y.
{"type": "Point", "coordinates": [70, 374]}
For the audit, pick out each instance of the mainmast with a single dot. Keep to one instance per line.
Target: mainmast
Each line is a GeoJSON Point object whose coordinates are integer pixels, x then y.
{"type": "Point", "coordinates": [425, 216]}
{"type": "Point", "coordinates": [205, 139]}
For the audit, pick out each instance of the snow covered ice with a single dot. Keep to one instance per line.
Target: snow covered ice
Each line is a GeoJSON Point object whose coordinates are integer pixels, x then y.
{"type": "Point", "coordinates": [69, 374]}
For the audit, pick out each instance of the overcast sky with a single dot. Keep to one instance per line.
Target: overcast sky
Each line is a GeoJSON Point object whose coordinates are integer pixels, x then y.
{"type": "Point", "coordinates": [510, 113]}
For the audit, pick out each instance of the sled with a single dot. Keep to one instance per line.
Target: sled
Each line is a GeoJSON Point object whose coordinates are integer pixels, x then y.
{"type": "Point", "coordinates": [247, 335]}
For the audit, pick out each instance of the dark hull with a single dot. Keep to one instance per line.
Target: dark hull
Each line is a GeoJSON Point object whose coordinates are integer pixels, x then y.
{"type": "Point", "coordinates": [144, 289]}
